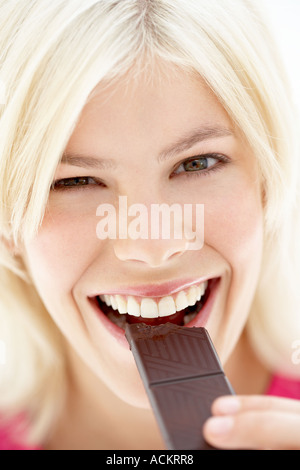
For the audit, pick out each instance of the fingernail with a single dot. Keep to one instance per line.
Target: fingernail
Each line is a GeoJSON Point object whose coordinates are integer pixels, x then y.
{"type": "Point", "coordinates": [219, 425]}
{"type": "Point", "coordinates": [228, 405]}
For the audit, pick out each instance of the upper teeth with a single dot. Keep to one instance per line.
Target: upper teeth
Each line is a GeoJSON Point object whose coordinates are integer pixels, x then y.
{"type": "Point", "coordinates": [148, 307]}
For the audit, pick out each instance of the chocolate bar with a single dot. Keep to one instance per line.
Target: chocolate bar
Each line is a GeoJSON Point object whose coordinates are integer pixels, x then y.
{"type": "Point", "coordinates": [182, 375]}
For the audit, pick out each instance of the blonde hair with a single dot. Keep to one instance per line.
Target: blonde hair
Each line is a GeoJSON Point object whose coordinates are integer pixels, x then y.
{"type": "Point", "coordinates": [52, 56]}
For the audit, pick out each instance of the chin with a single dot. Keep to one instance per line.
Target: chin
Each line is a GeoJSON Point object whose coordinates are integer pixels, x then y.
{"type": "Point", "coordinates": [133, 394]}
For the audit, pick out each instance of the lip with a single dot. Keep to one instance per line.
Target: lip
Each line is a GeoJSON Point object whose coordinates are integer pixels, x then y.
{"type": "Point", "coordinates": [154, 290]}
{"type": "Point", "coordinates": [199, 321]}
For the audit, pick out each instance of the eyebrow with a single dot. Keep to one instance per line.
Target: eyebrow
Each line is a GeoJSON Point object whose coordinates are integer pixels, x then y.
{"type": "Point", "coordinates": [183, 144]}
{"type": "Point", "coordinates": [76, 159]}
{"type": "Point", "coordinates": [193, 138]}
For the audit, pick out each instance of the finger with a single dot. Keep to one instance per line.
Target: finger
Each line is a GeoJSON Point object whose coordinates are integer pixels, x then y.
{"type": "Point", "coordinates": [234, 404]}
{"type": "Point", "coordinates": [275, 430]}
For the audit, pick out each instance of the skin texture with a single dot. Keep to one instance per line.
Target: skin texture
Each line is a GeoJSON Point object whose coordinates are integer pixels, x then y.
{"type": "Point", "coordinates": [132, 125]}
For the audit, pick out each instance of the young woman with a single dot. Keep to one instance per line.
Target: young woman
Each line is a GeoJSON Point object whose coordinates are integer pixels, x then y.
{"type": "Point", "coordinates": [163, 102]}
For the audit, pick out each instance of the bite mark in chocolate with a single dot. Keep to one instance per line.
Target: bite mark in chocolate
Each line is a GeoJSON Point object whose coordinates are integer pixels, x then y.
{"type": "Point", "coordinates": [182, 375]}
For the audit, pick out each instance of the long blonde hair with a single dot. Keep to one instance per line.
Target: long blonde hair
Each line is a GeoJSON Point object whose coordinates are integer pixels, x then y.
{"type": "Point", "coordinates": [52, 55]}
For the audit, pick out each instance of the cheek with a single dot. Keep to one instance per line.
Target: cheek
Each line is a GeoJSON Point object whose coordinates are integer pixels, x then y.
{"type": "Point", "coordinates": [236, 230]}
{"type": "Point", "coordinates": [60, 253]}
{"type": "Point", "coordinates": [234, 222]}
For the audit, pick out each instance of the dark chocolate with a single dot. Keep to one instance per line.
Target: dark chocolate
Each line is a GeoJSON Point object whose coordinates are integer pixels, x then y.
{"type": "Point", "coordinates": [182, 375]}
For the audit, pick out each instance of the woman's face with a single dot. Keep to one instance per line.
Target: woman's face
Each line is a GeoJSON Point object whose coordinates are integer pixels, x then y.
{"type": "Point", "coordinates": [167, 141]}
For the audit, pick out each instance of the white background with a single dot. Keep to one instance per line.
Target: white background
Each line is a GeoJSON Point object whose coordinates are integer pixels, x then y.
{"type": "Point", "coordinates": [284, 16]}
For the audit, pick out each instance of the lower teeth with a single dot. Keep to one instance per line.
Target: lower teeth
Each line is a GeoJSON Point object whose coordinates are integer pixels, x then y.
{"type": "Point", "coordinates": [189, 317]}
{"type": "Point", "coordinates": [117, 319]}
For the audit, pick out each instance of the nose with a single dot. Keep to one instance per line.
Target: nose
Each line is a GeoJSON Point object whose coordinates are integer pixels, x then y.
{"type": "Point", "coordinates": [148, 238]}
{"type": "Point", "coordinates": [153, 253]}
{"type": "Point", "coordinates": [155, 236]}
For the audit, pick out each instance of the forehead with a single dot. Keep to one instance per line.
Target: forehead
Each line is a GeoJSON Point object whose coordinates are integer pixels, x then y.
{"type": "Point", "coordinates": [154, 110]}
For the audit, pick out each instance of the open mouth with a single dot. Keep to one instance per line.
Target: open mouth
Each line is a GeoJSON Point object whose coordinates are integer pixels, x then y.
{"type": "Point", "coordinates": [179, 308]}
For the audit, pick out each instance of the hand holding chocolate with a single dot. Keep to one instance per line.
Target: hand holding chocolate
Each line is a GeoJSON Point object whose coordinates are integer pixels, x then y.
{"type": "Point", "coordinates": [182, 375]}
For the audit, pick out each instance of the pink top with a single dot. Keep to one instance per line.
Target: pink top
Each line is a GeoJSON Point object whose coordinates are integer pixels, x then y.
{"type": "Point", "coordinates": [279, 386]}
{"type": "Point", "coordinates": [10, 438]}
{"type": "Point", "coordinates": [284, 387]}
